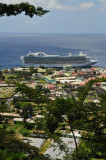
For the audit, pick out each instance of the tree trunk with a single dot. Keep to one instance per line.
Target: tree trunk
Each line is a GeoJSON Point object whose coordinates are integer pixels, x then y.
{"type": "Point", "coordinates": [76, 147]}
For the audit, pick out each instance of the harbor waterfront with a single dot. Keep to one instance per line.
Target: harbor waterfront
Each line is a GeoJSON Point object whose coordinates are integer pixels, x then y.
{"type": "Point", "coordinates": [47, 108]}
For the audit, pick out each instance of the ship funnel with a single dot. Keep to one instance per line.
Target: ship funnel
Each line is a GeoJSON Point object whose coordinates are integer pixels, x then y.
{"type": "Point", "coordinates": [70, 54]}
{"type": "Point", "coordinates": [82, 54]}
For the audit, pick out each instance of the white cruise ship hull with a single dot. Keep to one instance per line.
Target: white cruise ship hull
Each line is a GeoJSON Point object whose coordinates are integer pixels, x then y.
{"type": "Point", "coordinates": [87, 64]}
{"type": "Point", "coordinates": [51, 61]}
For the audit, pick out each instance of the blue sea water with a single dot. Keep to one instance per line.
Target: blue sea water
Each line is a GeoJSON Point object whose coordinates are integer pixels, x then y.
{"type": "Point", "coordinates": [12, 46]}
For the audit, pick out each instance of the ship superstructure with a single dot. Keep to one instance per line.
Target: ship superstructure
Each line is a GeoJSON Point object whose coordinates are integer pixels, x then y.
{"type": "Point", "coordinates": [41, 59]}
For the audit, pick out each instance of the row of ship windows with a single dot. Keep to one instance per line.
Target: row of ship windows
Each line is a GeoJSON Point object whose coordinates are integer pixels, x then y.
{"type": "Point", "coordinates": [54, 59]}
{"type": "Point", "coordinates": [42, 62]}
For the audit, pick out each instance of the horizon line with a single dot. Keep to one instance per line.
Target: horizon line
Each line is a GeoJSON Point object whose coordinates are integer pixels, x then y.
{"type": "Point", "coordinates": [44, 33]}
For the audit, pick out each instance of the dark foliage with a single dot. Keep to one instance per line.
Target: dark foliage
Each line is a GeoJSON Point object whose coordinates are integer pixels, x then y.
{"type": "Point", "coordinates": [15, 9]}
{"type": "Point", "coordinates": [15, 149]}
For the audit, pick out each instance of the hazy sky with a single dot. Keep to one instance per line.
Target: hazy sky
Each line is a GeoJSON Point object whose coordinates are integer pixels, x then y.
{"type": "Point", "coordinates": [65, 16]}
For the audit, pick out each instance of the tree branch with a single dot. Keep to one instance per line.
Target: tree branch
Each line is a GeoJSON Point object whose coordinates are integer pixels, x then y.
{"type": "Point", "coordinates": [15, 9]}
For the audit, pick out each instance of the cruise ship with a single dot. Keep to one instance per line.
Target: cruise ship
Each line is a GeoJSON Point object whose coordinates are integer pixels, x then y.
{"type": "Point", "coordinates": [41, 59]}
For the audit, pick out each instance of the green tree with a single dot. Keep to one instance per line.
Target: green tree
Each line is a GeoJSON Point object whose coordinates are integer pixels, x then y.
{"type": "Point", "coordinates": [3, 106]}
{"type": "Point", "coordinates": [40, 124]}
{"type": "Point", "coordinates": [2, 77]}
{"type": "Point", "coordinates": [49, 71]}
{"type": "Point", "coordinates": [27, 110]}
{"type": "Point", "coordinates": [24, 90]}
{"type": "Point", "coordinates": [15, 9]}
{"type": "Point", "coordinates": [12, 70]}
{"type": "Point", "coordinates": [31, 69]}
{"type": "Point", "coordinates": [39, 88]}
{"type": "Point", "coordinates": [45, 90]}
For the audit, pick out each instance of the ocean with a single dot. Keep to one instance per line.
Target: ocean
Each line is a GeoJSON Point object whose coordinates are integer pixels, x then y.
{"type": "Point", "coordinates": [14, 45]}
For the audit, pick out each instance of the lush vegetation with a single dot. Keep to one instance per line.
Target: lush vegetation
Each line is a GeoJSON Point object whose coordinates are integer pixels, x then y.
{"type": "Point", "coordinates": [68, 114]}
{"type": "Point", "coordinates": [89, 118]}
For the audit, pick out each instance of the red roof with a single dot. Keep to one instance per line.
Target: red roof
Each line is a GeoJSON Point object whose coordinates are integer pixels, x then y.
{"type": "Point", "coordinates": [50, 86]}
{"type": "Point", "coordinates": [91, 78]}
{"type": "Point", "coordinates": [86, 80]}
{"type": "Point", "coordinates": [82, 73]}
{"type": "Point", "coordinates": [2, 82]}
